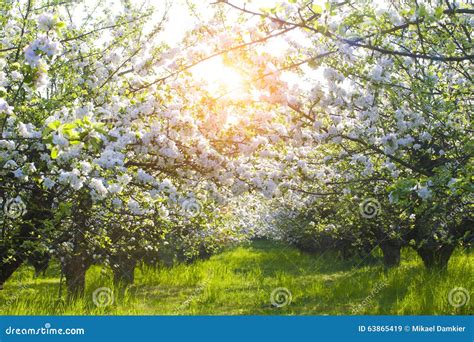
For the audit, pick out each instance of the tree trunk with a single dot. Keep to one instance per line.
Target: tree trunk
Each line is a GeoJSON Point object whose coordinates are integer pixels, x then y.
{"type": "Point", "coordinates": [74, 269]}
{"type": "Point", "coordinates": [76, 262]}
{"type": "Point", "coordinates": [10, 266]}
{"type": "Point", "coordinates": [124, 269]}
{"type": "Point", "coordinates": [434, 253]}
{"type": "Point", "coordinates": [40, 262]}
{"type": "Point", "coordinates": [38, 211]}
{"type": "Point", "coordinates": [436, 257]}
{"type": "Point", "coordinates": [391, 253]}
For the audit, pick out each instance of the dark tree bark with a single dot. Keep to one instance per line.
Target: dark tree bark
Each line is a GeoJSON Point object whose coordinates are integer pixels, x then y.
{"type": "Point", "coordinates": [76, 263]}
{"type": "Point", "coordinates": [13, 252]}
{"type": "Point", "coordinates": [436, 254]}
{"type": "Point", "coordinates": [391, 252]}
{"type": "Point", "coordinates": [40, 261]}
{"type": "Point", "coordinates": [10, 266]}
{"type": "Point", "coordinates": [436, 257]}
{"type": "Point", "coordinates": [124, 269]}
{"type": "Point", "coordinates": [74, 269]}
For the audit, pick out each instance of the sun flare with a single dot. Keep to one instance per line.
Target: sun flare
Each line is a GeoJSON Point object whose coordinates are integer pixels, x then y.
{"type": "Point", "coordinates": [220, 79]}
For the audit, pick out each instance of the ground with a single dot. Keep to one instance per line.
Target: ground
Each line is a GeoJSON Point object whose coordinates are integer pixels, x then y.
{"type": "Point", "coordinates": [241, 280]}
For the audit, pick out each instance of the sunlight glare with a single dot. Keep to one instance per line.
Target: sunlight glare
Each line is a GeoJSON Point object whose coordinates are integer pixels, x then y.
{"type": "Point", "coordinates": [221, 80]}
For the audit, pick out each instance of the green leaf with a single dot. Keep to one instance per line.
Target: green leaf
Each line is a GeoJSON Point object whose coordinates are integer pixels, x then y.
{"type": "Point", "coordinates": [15, 66]}
{"type": "Point", "coordinates": [54, 153]}
{"type": "Point", "coordinates": [422, 11]}
{"type": "Point", "coordinates": [72, 135]}
{"type": "Point", "coordinates": [68, 126]}
{"type": "Point", "coordinates": [78, 123]}
{"type": "Point", "coordinates": [317, 9]}
{"type": "Point", "coordinates": [320, 27]}
{"type": "Point", "coordinates": [54, 125]}
{"type": "Point", "coordinates": [86, 120]}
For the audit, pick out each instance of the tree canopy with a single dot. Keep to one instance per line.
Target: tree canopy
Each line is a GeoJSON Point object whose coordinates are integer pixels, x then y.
{"type": "Point", "coordinates": [300, 120]}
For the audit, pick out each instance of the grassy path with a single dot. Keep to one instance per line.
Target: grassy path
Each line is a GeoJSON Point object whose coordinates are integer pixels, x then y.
{"type": "Point", "coordinates": [241, 281]}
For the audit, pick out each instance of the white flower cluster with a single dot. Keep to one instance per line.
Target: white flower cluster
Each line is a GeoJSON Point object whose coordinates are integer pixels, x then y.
{"type": "Point", "coordinates": [5, 108]}
{"type": "Point", "coordinates": [42, 46]}
{"type": "Point", "coordinates": [46, 21]}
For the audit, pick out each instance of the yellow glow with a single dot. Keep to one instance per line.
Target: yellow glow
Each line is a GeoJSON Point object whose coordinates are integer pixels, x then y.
{"type": "Point", "coordinates": [220, 80]}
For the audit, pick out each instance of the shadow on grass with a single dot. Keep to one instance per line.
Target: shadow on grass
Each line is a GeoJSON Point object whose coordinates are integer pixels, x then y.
{"type": "Point", "coordinates": [274, 258]}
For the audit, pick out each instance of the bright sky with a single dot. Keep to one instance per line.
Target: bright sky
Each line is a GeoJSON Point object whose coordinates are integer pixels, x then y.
{"type": "Point", "coordinates": [182, 19]}
{"type": "Point", "coordinates": [184, 15]}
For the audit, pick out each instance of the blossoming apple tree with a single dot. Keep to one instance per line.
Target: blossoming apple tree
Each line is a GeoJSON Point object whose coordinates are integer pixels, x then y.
{"type": "Point", "coordinates": [111, 147]}
{"type": "Point", "coordinates": [382, 111]}
{"type": "Point", "coordinates": [93, 151]}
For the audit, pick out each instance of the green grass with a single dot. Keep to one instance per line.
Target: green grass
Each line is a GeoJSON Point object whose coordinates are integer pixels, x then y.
{"type": "Point", "coordinates": [240, 282]}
